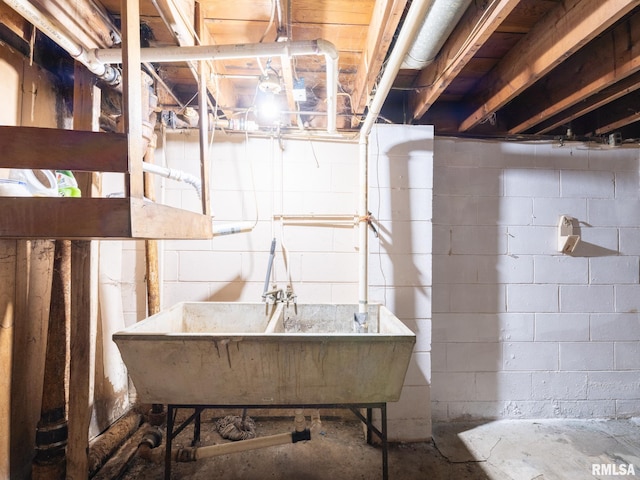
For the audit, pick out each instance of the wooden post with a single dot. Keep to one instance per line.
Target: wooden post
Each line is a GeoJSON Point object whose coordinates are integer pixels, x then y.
{"type": "Point", "coordinates": [33, 286]}
{"type": "Point", "coordinates": [82, 358]}
{"type": "Point", "coordinates": [84, 296]}
{"type": "Point", "coordinates": [51, 432]}
{"type": "Point", "coordinates": [7, 326]}
{"type": "Point", "coordinates": [151, 246]}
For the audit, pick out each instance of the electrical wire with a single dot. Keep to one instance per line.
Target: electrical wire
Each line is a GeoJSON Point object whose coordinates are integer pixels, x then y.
{"type": "Point", "coordinates": [384, 277]}
{"type": "Point", "coordinates": [270, 24]}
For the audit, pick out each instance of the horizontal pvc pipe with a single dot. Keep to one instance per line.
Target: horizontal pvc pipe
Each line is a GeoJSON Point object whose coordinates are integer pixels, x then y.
{"type": "Point", "coordinates": [172, 174]}
{"type": "Point", "coordinates": [249, 50]}
{"type": "Point", "coordinates": [229, 229]}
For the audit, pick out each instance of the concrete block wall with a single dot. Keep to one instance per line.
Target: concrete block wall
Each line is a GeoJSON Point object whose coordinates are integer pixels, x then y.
{"type": "Point", "coordinates": [519, 329]}
{"type": "Point", "coordinates": [400, 259]}
{"type": "Point", "coordinates": [253, 180]}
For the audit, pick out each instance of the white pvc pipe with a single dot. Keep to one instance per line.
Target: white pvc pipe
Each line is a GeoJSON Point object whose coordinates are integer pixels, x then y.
{"type": "Point", "coordinates": [249, 50]}
{"type": "Point", "coordinates": [35, 17]}
{"type": "Point", "coordinates": [173, 174]}
{"type": "Point", "coordinates": [230, 229]}
{"type": "Point", "coordinates": [413, 21]}
{"type": "Point", "coordinates": [111, 312]}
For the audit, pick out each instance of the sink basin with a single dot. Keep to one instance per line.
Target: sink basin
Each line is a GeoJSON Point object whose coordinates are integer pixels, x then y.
{"type": "Point", "coordinates": [214, 353]}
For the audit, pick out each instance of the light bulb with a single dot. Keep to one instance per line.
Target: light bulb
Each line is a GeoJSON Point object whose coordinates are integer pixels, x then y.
{"type": "Point", "coordinates": [268, 109]}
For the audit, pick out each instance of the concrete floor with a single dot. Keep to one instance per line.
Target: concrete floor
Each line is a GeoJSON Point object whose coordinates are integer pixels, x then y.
{"type": "Point", "coordinates": [497, 450]}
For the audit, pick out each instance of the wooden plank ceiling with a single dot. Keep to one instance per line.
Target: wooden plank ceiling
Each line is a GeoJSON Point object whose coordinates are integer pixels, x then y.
{"type": "Point", "coordinates": [508, 68]}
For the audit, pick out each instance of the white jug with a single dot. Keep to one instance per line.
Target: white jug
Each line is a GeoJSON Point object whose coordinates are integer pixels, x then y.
{"type": "Point", "coordinates": [35, 186]}
{"type": "Point", "coordinates": [13, 188]}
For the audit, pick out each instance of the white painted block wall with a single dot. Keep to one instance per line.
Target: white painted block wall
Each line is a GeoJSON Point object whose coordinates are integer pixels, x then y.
{"type": "Point", "coordinates": [520, 330]}
{"type": "Point", "coordinates": [400, 194]}
{"type": "Point", "coordinates": [304, 177]}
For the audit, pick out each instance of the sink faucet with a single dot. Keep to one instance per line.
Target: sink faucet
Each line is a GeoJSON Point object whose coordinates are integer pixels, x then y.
{"type": "Point", "coordinates": [360, 322]}
{"type": "Point", "coordinates": [276, 295]}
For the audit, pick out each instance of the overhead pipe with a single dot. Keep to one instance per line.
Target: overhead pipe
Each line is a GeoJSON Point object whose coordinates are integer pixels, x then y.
{"type": "Point", "coordinates": [438, 24]}
{"type": "Point", "coordinates": [249, 50]}
{"type": "Point", "coordinates": [415, 18]}
{"type": "Point", "coordinates": [30, 13]}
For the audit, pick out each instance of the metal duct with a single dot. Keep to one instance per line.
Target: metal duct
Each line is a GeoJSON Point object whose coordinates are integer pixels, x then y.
{"type": "Point", "coordinates": [438, 24]}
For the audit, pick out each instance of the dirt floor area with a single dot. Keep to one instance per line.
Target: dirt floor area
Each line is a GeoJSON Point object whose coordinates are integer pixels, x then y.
{"type": "Point", "coordinates": [338, 450]}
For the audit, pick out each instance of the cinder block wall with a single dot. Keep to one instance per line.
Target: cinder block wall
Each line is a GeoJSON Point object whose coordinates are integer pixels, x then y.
{"type": "Point", "coordinates": [519, 329]}
{"type": "Point", "coordinates": [400, 263]}
{"type": "Point", "coordinates": [312, 178]}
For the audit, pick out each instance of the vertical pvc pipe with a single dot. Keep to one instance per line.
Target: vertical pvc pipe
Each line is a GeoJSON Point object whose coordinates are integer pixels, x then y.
{"type": "Point", "coordinates": [412, 23]}
{"type": "Point", "coordinates": [363, 231]}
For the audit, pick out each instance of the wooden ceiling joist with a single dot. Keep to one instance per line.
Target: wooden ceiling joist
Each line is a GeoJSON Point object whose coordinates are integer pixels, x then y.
{"type": "Point", "coordinates": [608, 60]}
{"type": "Point", "coordinates": [474, 29]}
{"type": "Point", "coordinates": [619, 114]}
{"type": "Point", "coordinates": [562, 32]}
{"type": "Point", "coordinates": [384, 22]}
{"type": "Point", "coordinates": [598, 100]}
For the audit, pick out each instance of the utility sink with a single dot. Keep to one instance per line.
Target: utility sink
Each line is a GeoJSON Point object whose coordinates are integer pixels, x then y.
{"type": "Point", "coordinates": [214, 353]}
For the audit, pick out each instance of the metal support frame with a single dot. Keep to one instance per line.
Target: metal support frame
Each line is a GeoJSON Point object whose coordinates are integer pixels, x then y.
{"type": "Point", "coordinates": [172, 411]}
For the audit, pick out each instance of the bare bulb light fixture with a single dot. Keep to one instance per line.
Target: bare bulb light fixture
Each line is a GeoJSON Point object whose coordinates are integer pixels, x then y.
{"type": "Point", "coordinates": [270, 87]}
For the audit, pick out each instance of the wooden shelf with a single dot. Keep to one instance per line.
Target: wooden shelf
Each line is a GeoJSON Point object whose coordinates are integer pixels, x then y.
{"type": "Point", "coordinates": [84, 218]}
{"type": "Point", "coordinates": [95, 218]}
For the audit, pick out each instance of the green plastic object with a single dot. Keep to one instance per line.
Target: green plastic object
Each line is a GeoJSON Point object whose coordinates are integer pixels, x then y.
{"type": "Point", "coordinates": [67, 184]}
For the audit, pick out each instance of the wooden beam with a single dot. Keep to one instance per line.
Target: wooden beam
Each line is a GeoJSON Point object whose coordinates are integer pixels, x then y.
{"type": "Point", "coordinates": [622, 122]}
{"type": "Point", "coordinates": [562, 32]}
{"type": "Point", "coordinates": [83, 18]}
{"type": "Point", "coordinates": [473, 30]}
{"type": "Point", "coordinates": [384, 22]}
{"type": "Point", "coordinates": [287, 78]}
{"type": "Point", "coordinates": [132, 95]}
{"type": "Point", "coordinates": [31, 147]}
{"type": "Point", "coordinates": [15, 22]}
{"type": "Point", "coordinates": [610, 58]}
{"type": "Point", "coordinates": [220, 88]}
{"type": "Point", "coordinates": [600, 99]}
{"type": "Point", "coordinates": [618, 114]}
{"type": "Point", "coordinates": [123, 218]}
{"type": "Point", "coordinates": [178, 17]}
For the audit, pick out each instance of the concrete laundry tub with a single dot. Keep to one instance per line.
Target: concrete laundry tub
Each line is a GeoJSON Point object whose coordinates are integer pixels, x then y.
{"type": "Point", "coordinates": [213, 353]}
